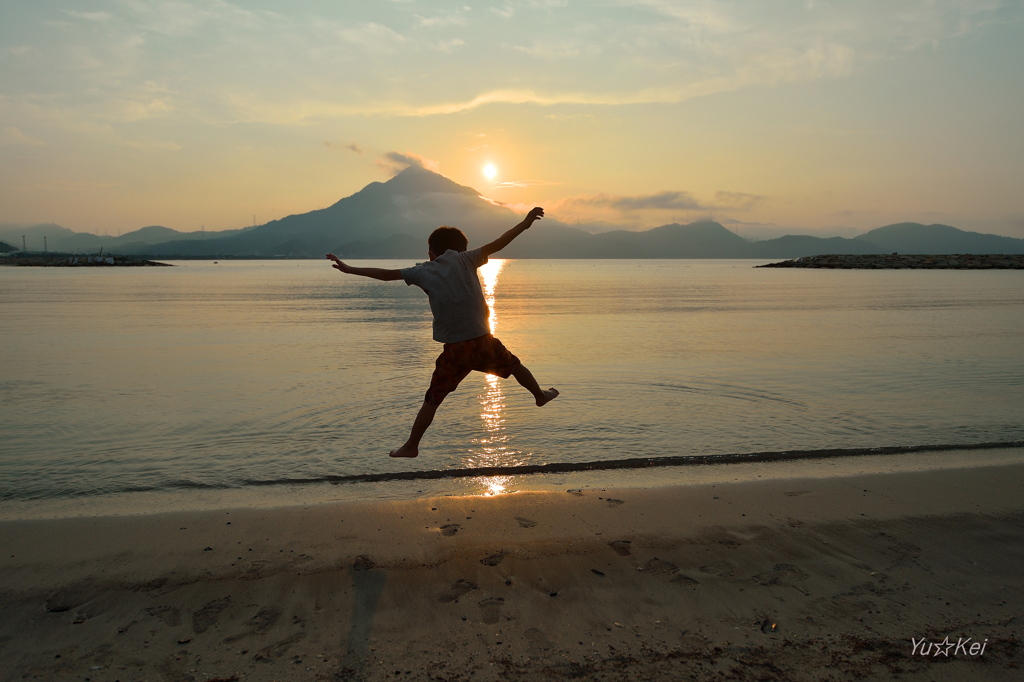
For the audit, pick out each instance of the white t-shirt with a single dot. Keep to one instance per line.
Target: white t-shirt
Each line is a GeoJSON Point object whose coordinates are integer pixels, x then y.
{"type": "Point", "coordinates": [456, 298]}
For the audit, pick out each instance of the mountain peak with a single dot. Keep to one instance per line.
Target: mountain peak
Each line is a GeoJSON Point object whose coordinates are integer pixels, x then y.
{"type": "Point", "coordinates": [419, 180]}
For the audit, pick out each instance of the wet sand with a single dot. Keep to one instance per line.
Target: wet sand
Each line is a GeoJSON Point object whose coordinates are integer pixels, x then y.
{"type": "Point", "coordinates": [785, 579]}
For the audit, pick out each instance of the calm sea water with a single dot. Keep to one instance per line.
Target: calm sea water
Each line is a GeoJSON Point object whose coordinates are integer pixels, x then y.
{"type": "Point", "coordinates": [223, 374]}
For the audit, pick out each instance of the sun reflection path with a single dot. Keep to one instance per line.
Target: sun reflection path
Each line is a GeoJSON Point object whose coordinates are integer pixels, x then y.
{"type": "Point", "coordinates": [489, 271]}
{"type": "Point", "coordinates": [493, 449]}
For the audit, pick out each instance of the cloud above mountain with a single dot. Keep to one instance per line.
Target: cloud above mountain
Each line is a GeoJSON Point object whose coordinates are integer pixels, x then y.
{"type": "Point", "coordinates": [396, 162]}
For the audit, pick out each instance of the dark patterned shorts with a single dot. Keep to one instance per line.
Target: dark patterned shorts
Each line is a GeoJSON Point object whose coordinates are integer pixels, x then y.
{"type": "Point", "coordinates": [482, 354]}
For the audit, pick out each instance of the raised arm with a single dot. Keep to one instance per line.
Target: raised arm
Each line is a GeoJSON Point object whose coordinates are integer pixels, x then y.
{"type": "Point", "coordinates": [375, 273]}
{"type": "Point", "coordinates": [506, 239]}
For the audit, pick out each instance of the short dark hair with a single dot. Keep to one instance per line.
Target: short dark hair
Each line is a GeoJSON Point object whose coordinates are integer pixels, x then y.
{"type": "Point", "coordinates": [444, 238]}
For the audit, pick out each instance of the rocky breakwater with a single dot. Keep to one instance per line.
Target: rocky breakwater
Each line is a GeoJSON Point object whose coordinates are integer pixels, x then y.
{"type": "Point", "coordinates": [896, 261]}
{"type": "Point", "coordinates": [72, 261]}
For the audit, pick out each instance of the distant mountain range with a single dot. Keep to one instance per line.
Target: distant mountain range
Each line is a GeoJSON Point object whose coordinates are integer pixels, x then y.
{"type": "Point", "coordinates": [393, 219]}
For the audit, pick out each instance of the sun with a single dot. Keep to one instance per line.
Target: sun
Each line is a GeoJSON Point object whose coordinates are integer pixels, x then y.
{"type": "Point", "coordinates": [490, 171]}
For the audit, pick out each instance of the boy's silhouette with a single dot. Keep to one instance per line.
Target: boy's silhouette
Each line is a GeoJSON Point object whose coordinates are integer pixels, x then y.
{"type": "Point", "coordinates": [451, 283]}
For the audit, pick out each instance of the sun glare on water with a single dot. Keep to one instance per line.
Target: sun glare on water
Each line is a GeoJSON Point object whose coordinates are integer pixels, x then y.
{"type": "Point", "coordinates": [494, 448]}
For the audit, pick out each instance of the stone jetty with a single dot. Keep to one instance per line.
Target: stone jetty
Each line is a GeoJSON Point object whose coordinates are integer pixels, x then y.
{"type": "Point", "coordinates": [74, 261]}
{"type": "Point", "coordinates": [898, 261]}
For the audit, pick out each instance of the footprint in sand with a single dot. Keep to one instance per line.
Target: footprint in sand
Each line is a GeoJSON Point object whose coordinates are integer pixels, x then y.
{"type": "Point", "coordinates": [537, 640]}
{"type": "Point", "coordinates": [794, 523]}
{"type": "Point", "coordinates": [525, 523]}
{"type": "Point", "coordinates": [172, 670]}
{"type": "Point", "coordinates": [66, 599]}
{"type": "Point", "coordinates": [621, 547]}
{"type": "Point", "coordinates": [449, 529]}
{"type": "Point", "coordinates": [259, 624]}
{"type": "Point", "coordinates": [278, 649]}
{"type": "Point", "coordinates": [363, 563]}
{"type": "Point", "coordinates": [575, 491]}
{"type": "Point", "coordinates": [154, 584]}
{"type": "Point", "coordinates": [255, 569]}
{"type": "Point", "coordinates": [795, 493]}
{"type": "Point", "coordinates": [460, 588]}
{"type": "Point", "coordinates": [612, 502]}
{"type": "Point", "coordinates": [301, 559]}
{"type": "Point", "coordinates": [168, 615]}
{"type": "Point", "coordinates": [668, 569]}
{"type": "Point", "coordinates": [493, 560]}
{"type": "Point", "coordinates": [490, 609]}
{"type": "Point", "coordinates": [781, 574]}
{"type": "Point", "coordinates": [264, 620]}
{"type": "Point", "coordinates": [720, 536]}
{"type": "Point", "coordinates": [659, 567]}
{"type": "Point", "coordinates": [723, 569]}
{"type": "Point", "coordinates": [684, 580]}
{"type": "Point", "coordinates": [905, 550]}
{"type": "Point", "coordinates": [209, 614]}
{"type": "Point", "coordinates": [867, 588]}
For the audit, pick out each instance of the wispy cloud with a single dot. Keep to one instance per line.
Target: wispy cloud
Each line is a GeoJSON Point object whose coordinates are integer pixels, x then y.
{"type": "Point", "coordinates": [351, 146]}
{"type": "Point", "coordinates": [21, 50]}
{"type": "Point", "coordinates": [738, 200]}
{"type": "Point", "coordinates": [523, 183]}
{"type": "Point", "coordinates": [637, 209]}
{"type": "Point", "coordinates": [10, 135]}
{"type": "Point", "coordinates": [449, 45]}
{"type": "Point", "coordinates": [88, 121]}
{"type": "Point", "coordinates": [660, 201]}
{"type": "Point", "coordinates": [229, 63]}
{"type": "Point", "coordinates": [457, 18]}
{"type": "Point", "coordinates": [71, 185]}
{"type": "Point", "coordinates": [373, 37]}
{"type": "Point", "coordinates": [90, 16]}
{"type": "Point", "coordinates": [523, 97]}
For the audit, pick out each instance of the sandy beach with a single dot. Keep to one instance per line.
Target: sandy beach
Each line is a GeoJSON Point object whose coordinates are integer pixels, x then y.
{"type": "Point", "coordinates": [911, 576]}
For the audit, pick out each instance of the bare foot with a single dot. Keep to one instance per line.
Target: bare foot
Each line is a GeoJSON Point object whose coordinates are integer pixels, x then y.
{"type": "Point", "coordinates": [405, 451]}
{"type": "Point", "coordinates": [549, 395]}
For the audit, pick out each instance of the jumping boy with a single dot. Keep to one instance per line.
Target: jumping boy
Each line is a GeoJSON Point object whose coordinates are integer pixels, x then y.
{"type": "Point", "coordinates": [460, 312]}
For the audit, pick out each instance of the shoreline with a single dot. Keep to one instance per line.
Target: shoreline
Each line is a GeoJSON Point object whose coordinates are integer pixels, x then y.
{"type": "Point", "coordinates": [639, 463]}
{"type": "Point", "coordinates": [784, 578]}
{"type": "Point", "coordinates": [470, 482]}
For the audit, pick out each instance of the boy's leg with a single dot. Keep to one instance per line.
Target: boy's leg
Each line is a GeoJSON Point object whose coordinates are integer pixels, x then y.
{"type": "Point", "coordinates": [448, 374]}
{"type": "Point", "coordinates": [419, 427]}
{"type": "Point", "coordinates": [526, 380]}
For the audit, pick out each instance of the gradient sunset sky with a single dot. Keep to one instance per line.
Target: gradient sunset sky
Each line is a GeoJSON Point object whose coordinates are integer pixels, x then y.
{"type": "Point", "coordinates": [819, 117]}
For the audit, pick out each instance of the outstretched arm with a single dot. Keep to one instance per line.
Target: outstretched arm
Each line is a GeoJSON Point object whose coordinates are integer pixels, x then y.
{"type": "Point", "coordinates": [375, 273]}
{"type": "Point", "coordinates": [506, 239]}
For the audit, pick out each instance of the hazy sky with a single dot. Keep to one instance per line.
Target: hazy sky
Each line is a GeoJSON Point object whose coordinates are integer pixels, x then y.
{"type": "Point", "coordinates": [116, 114]}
